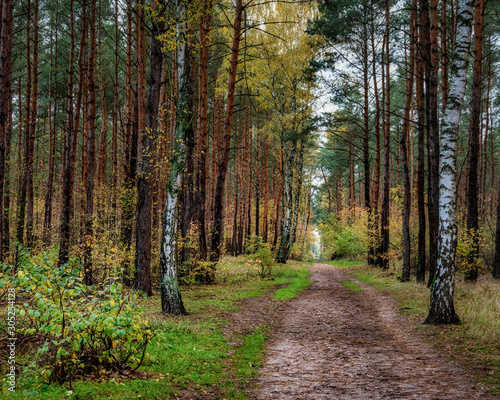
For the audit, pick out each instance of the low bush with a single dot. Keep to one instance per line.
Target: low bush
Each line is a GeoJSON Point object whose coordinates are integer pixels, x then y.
{"type": "Point", "coordinates": [78, 329]}
{"type": "Point", "coordinates": [260, 256]}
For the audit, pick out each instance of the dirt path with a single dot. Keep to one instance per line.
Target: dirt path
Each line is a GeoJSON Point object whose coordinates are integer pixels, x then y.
{"type": "Point", "coordinates": [333, 343]}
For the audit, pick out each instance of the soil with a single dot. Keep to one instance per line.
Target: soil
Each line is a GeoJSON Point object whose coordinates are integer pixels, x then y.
{"type": "Point", "coordinates": [334, 343]}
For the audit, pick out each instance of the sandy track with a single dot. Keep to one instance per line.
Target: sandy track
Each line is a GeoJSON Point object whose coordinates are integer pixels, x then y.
{"type": "Point", "coordinates": [333, 343]}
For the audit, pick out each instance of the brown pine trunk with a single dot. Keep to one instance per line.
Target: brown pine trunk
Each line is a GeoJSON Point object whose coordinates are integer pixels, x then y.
{"type": "Point", "coordinates": [147, 167]}
{"type": "Point", "coordinates": [114, 145]}
{"type": "Point", "coordinates": [366, 140]}
{"type": "Point", "coordinates": [5, 117]}
{"type": "Point", "coordinates": [217, 233]}
{"type": "Point", "coordinates": [27, 141]}
{"type": "Point", "coordinates": [420, 100]}
{"type": "Point", "coordinates": [404, 149]}
{"type": "Point", "coordinates": [47, 220]}
{"type": "Point", "coordinates": [91, 156]}
{"type": "Point", "coordinates": [130, 150]}
{"type": "Point", "coordinates": [265, 185]}
{"type": "Point", "coordinates": [384, 262]}
{"type": "Point", "coordinates": [376, 192]}
{"type": "Point", "coordinates": [352, 187]}
{"type": "Point", "coordinates": [201, 177]}
{"type": "Point", "coordinates": [474, 139]}
{"type": "Point", "coordinates": [249, 173]}
{"type": "Point", "coordinates": [257, 185]}
{"type": "Point", "coordinates": [71, 140]}
{"type": "Point", "coordinates": [103, 145]}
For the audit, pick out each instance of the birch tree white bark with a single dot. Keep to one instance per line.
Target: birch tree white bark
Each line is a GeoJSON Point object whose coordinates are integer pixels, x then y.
{"type": "Point", "coordinates": [171, 300]}
{"type": "Point", "coordinates": [442, 310]}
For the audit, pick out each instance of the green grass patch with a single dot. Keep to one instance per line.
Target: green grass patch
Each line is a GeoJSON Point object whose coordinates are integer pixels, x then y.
{"type": "Point", "coordinates": [298, 283]}
{"type": "Point", "coordinates": [351, 285]}
{"type": "Point", "coordinates": [249, 356]}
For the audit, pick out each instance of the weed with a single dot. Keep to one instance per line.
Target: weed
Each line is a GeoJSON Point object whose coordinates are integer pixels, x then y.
{"type": "Point", "coordinates": [351, 285]}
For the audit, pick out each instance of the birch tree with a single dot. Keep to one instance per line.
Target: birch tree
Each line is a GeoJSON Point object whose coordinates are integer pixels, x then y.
{"type": "Point", "coordinates": [442, 310]}
{"type": "Point", "coordinates": [171, 300]}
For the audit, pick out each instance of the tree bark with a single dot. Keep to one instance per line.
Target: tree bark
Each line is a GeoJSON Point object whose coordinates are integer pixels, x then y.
{"type": "Point", "coordinates": [47, 220]}
{"type": "Point", "coordinates": [474, 137]}
{"type": "Point", "coordinates": [217, 233]}
{"type": "Point", "coordinates": [70, 142]}
{"type": "Point", "coordinates": [91, 156]}
{"type": "Point", "coordinates": [201, 175]}
{"type": "Point", "coordinates": [287, 221]}
{"type": "Point", "coordinates": [420, 100]}
{"type": "Point", "coordinates": [442, 310]}
{"type": "Point", "coordinates": [171, 300]}
{"type": "Point", "coordinates": [147, 168]}
{"type": "Point", "coordinates": [5, 112]}
{"type": "Point", "coordinates": [404, 149]}
{"type": "Point", "coordinates": [384, 251]}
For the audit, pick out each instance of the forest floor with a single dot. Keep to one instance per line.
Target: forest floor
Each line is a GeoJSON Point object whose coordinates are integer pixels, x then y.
{"type": "Point", "coordinates": [344, 339]}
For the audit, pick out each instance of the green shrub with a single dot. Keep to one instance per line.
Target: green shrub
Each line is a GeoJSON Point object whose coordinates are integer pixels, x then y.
{"type": "Point", "coordinates": [79, 329]}
{"type": "Point", "coordinates": [344, 239]}
{"type": "Point", "coordinates": [260, 256]}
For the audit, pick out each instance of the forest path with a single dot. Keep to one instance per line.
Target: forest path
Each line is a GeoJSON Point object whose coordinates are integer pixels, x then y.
{"type": "Point", "coordinates": [334, 343]}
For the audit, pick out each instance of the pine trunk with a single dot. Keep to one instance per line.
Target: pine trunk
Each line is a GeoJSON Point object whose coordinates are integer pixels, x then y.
{"type": "Point", "coordinates": [217, 229]}
{"type": "Point", "coordinates": [474, 138]}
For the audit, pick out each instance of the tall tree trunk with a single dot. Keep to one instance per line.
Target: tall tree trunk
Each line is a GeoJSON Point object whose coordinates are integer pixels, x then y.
{"type": "Point", "coordinates": [366, 139]}
{"type": "Point", "coordinates": [103, 145]}
{"type": "Point", "coordinates": [30, 217]}
{"type": "Point", "coordinates": [442, 310]}
{"type": "Point", "coordinates": [201, 176]}
{"type": "Point", "coordinates": [5, 113]}
{"type": "Point", "coordinates": [187, 195]}
{"type": "Point", "coordinates": [384, 262]}
{"type": "Point", "coordinates": [287, 220]}
{"type": "Point", "coordinates": [265, 185]}
{"type": "Point", "coordinates": [171, 300]}
{"type": "Point", "coordinates": [404, 149]}
{"type": "Point", "coordinates": [91, 156]}
{"type": "Point", "coordinates": [47, 220]}
{"type": "Point", "coordinates": [70, 142]}
{"type": "Point", "coordinates": [474, 138]}
{"type": "Point", "coordinates": [130, 150]}
{"type": "Point", "coordinates": [217, 233]}
{"type": "Point", "coordinates": [21, 212]}
{"type": "Point", "coordinates": [300, 174]}
{"type": "Point", "coordinates": [257, 181]}
{"type": "Point", "coordinates": [147, 167]}
{"type": "Point", "coordinates": [421, 260]}
{"type": "Point", "coordinates": [376, 192]}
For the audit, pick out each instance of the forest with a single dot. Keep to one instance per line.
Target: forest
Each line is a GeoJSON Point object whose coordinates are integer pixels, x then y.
{"type": "Point", "coordinates": [167, 166]}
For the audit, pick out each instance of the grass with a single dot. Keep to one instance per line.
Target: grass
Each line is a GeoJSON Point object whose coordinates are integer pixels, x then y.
{"type": "Point", "coordinates": [191, 352]}
{"type": "Point", "coordinates": [351, 285]}
{"type": "Point", "coordinates": [478, 306]}
{"type": "Point", "coordinates": [299, 283]}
